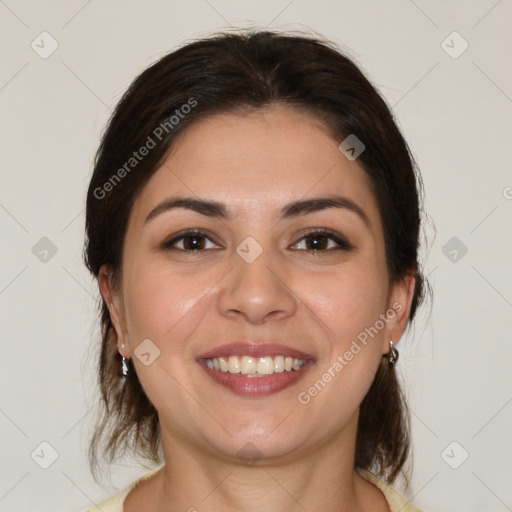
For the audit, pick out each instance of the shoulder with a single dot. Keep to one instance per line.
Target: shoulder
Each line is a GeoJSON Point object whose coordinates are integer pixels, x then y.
{"type": "Point", "coordinates": [115, 502]}
{"type": "Point", "coordinates": [395, 500]}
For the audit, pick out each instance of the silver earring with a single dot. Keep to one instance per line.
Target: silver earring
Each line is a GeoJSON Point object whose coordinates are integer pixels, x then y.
{"type": "Point", "coordinates": [392, 355]}
{"type": "Point", "coordinates": [125, 371]}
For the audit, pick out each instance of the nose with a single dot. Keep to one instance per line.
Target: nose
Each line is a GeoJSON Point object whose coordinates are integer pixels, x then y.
{"type": "Point", "coordinates": [257, 291]}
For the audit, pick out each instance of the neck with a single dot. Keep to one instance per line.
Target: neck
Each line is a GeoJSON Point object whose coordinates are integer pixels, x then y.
{"type": "Point", "coordinates": [321, 478]}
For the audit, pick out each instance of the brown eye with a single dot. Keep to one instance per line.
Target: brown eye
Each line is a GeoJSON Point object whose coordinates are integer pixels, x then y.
{"type": "Point", "coordinates": [323, 241]}
{"type": "Point", "coordinates": [193, 243]}
{"type": "Point", "coordinates": [190, 241]}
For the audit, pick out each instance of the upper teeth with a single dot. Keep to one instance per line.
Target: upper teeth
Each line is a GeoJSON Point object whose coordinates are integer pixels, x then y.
{"type": "Point", "coordinates": [254, 366]}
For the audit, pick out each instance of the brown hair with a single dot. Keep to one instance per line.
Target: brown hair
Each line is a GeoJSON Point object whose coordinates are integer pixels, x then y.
{"type": "Point", "coordinates": [240, 73]}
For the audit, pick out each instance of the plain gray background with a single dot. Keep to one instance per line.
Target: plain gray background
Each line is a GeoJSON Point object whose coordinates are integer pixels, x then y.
{"type": "Point", "coordinates": [454, 106]}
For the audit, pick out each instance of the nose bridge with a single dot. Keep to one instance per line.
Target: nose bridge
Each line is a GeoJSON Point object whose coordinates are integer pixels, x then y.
{"type": "Point", "coordinates": [256, 290]}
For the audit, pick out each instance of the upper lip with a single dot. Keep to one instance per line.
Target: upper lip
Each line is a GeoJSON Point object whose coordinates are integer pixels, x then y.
{"type": "Point", "coordinates": [255, 349]}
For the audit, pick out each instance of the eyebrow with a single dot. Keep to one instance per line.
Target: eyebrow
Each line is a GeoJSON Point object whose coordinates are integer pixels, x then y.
{"type": "Point", "coordinates": [295, 209]}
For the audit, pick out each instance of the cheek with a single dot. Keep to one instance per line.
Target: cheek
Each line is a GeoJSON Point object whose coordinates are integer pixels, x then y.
{"type": "Point", "coordinates": [168, 308]}
{"type": "Point", "coordinates": [347, 302]}
{"type": "Point", "coordinates": [165, 306]}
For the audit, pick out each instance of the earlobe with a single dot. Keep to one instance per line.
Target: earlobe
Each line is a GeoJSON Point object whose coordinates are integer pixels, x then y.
{"type": "Point", "coordinates": [106, 289]}
{"type": "Point", "coordinates": [400, 301]}
{"type": "Point", "coordinates": [110, 296]}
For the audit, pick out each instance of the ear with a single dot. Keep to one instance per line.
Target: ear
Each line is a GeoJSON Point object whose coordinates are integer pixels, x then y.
{"type": "Point", "coordinates": [400, 299]}
{"type": "Point", "coordinates": [114, 303]}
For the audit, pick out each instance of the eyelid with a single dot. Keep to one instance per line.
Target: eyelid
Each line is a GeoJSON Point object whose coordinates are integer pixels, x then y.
{"type": "Point", "coordinates": [341, 241]}
{"type": "Point", "coordinates": [168, 244]}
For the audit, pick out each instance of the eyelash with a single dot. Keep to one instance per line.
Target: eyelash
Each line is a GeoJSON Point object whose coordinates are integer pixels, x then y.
{"type": "Point", "coordinates": [331, 235]}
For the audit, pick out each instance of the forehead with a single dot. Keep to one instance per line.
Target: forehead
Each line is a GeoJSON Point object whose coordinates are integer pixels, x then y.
{"type": "Point", "coordinates": [257, 162]}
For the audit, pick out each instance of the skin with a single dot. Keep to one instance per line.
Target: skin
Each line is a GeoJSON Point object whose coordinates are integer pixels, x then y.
{"type": "Point", "coordinates": [189, 303]}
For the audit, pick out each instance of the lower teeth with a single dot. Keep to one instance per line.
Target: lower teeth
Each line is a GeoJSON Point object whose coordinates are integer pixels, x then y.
{"type": "Point", "coordinates": [259, 374]}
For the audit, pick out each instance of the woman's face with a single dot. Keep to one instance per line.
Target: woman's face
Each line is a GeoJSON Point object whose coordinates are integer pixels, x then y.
{"type": "Point", "coordinates": [252, 286]}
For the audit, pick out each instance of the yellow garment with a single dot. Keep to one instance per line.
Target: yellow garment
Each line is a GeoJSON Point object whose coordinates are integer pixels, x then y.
{"type": "Point", "coordinates": [396, 502]}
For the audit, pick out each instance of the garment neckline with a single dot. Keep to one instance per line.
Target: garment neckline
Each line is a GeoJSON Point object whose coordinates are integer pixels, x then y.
{"type": "Point", "coordinates": [395, 500]}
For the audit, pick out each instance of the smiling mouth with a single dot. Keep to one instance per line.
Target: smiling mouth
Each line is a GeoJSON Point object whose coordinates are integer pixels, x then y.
{"type": "Point", "coordinates": [251, 376]}
{"type": "Point", "coordinates": [255, 368]}
{"type": "Point", "coordinates": [250, 366]}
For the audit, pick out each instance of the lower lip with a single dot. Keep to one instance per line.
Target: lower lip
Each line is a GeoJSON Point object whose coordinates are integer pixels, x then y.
{"type": "Point", "coordinates": [256, 386]}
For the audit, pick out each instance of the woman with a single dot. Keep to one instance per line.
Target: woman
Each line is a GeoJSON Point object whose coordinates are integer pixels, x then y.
{"type": "Point", "coordinates": [253, 222]}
